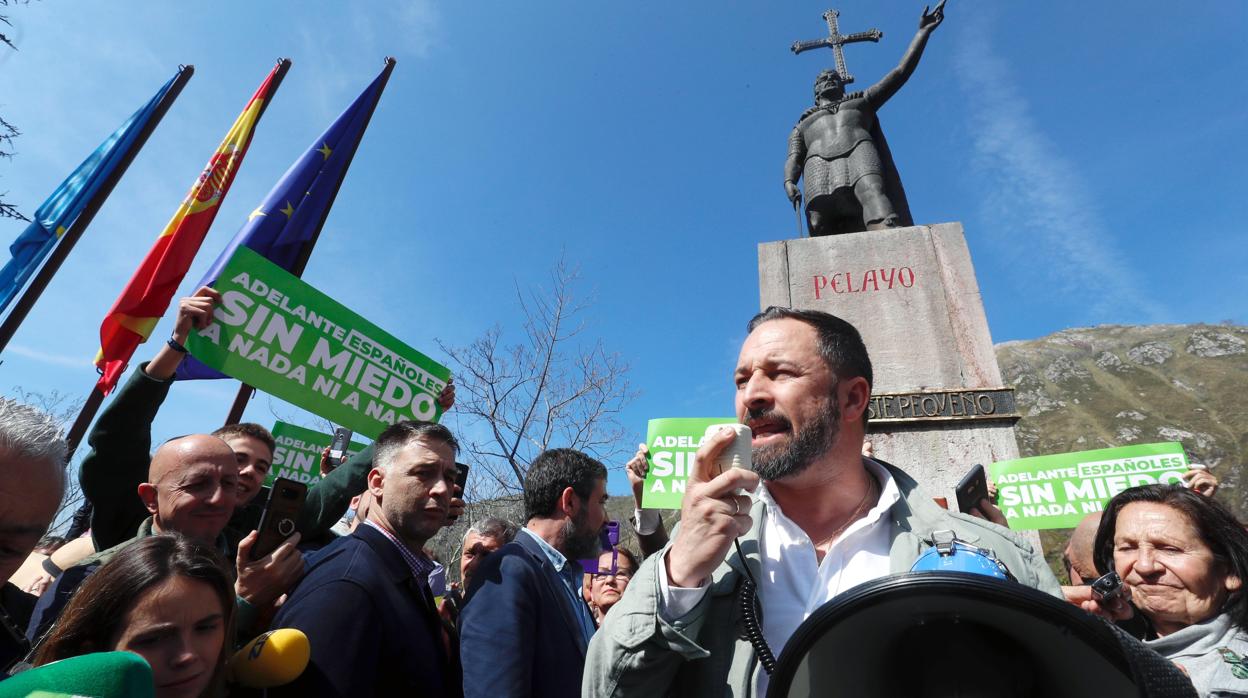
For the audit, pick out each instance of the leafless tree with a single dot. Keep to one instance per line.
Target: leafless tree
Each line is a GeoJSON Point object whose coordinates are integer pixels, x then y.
{"type": "Point", "coordinates": [7, 130]}
{"type": "Point", "coordinates": [553, 388]}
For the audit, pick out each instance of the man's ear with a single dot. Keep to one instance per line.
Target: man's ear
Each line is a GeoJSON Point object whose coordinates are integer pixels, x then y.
{"type": "Point", "coordinates": [375, 477]}
{"type": "Point", "coordinates": [569, 503]}
{"type": "Point", "coordinates": [855, 395]}
{"type": "Point", "coordinates": [147, 494]}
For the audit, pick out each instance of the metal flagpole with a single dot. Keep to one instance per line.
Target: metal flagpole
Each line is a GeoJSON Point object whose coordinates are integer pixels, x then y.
{"type": "Point", "coordinates": [245, 392]}
{"type": "Point", "coordinates": [79, 226]}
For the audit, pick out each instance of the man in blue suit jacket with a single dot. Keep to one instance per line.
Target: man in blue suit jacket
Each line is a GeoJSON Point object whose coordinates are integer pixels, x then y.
{"type": "Point", "coordinates": [365, 602]}
{"type": "Point", "coordinates": [525, 627]}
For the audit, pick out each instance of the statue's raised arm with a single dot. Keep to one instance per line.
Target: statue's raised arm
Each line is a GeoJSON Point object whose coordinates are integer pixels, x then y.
{"type": "Point", "coordinates": [880, 92]}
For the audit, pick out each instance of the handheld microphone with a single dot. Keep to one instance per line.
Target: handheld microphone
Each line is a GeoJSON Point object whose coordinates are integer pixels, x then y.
{"type": "Point", "coordinates": [274, 659]}
{"type": "Point", "coordinates": [100, 674]}
{"type": "Point", "coordinates": [739, 453]}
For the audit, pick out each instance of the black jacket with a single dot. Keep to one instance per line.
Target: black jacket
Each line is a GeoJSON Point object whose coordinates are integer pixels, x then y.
{"type": "Point", "coordinates": [373, 627]}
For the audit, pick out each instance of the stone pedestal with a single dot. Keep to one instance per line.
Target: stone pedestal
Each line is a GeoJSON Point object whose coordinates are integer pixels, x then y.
{"type": "Point", "coordinates": [939, 405]}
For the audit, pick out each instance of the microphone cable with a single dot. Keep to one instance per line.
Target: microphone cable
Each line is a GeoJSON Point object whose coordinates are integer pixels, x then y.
{"type": "Point", "coordinates": [747, 603]}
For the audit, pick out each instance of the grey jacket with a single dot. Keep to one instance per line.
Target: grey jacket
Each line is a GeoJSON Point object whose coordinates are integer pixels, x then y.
{"type": "Point", "coordinates": [1213, 653]}
{"type": "Point", "coordinates": [705, 653]}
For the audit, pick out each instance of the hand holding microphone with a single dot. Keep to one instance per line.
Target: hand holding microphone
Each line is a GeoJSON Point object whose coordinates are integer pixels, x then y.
{"type": "Point", "coordinates": [715, 509]}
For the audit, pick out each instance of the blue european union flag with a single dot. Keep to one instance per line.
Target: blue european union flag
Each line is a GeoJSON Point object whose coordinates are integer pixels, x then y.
{"type": "Point", "coordinates": [293, 210]}
{"type": "Point", "coordinates": [61, 210]}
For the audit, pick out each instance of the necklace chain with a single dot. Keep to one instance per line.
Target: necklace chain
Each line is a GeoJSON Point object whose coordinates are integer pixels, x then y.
{"type": "Point", "coordinates": [853, 516]}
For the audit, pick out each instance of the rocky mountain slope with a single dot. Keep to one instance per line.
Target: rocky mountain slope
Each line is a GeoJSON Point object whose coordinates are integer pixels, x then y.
{"type": "Point", "coordinates": [1115, 385]}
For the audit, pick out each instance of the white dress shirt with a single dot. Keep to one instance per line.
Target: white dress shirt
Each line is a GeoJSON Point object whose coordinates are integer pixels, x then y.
{"type": "Point", "coordinates": [794, 582]}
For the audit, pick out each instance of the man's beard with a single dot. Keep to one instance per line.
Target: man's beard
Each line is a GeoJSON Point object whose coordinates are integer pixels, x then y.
{"type": "Point", "coordinates": [580, 543]}
{"type": "Point", "coordinates": [803, 448]}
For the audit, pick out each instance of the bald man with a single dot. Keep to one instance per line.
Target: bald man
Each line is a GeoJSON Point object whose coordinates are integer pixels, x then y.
{"type": "Point", "coordinates": [1082, 570]}
{"type": "Point", "coordinates": [1078, 553]}
{"type": "Point", "coordinates": [192, 489]}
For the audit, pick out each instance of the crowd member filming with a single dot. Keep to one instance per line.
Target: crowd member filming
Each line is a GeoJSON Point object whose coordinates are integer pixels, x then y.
{"type": "Point", "coordinates": [168, 599]}
{"type": "Point", "coordinates": [1184, 558]}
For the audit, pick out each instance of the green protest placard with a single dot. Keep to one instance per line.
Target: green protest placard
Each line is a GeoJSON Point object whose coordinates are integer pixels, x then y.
{"type": "Point", "coordinates": [277, 333]}
{"type": "Point", "coordinates": [1058, 491]}
{"type": "Point", "coordinates": [672, 443]}
{"type": "Point", "coordinates": [298, 453]}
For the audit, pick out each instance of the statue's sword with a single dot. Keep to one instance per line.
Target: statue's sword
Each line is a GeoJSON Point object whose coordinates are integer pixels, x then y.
{"type": "Point", "coordinates": [836, 41]}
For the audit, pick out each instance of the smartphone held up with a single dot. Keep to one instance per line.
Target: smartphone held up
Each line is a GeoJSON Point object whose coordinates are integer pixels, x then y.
{"type": "Point", "coordinates": [281, 511]}
{"type": "Point", "coordinates": [338, 447]}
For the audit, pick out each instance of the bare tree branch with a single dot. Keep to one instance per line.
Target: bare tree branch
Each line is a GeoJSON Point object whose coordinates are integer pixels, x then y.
{"type": "Point", "coordinates": [8, 131]}
{"type": "Point", "coordinates": [547, 390]}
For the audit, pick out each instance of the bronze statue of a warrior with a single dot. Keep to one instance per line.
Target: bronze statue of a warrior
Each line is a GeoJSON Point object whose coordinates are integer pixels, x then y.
{"type": "Point", "coordinates": [838, 149]}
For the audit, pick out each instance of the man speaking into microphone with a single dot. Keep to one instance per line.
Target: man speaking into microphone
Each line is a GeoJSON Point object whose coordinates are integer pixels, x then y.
{"type": "Point", "coordinates": [822, 519]}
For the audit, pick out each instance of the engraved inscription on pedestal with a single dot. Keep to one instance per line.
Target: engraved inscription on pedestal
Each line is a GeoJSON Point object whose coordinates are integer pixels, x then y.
{"type": "Point", "coordinates": [941, 406]}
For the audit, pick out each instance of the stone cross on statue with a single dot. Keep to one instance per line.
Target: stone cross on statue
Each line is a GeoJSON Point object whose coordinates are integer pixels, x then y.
{"type": "Point", "coordinates": [836, 41]}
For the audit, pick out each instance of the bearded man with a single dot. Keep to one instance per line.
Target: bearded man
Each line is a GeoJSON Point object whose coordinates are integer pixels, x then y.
{"type": "Point", "coordinates": [822, 519]}
{"type": "Point", "coordinates": [525, 627]}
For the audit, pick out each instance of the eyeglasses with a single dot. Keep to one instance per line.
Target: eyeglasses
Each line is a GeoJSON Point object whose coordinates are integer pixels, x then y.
{"type": "Point", "coordinates": [619, 575]}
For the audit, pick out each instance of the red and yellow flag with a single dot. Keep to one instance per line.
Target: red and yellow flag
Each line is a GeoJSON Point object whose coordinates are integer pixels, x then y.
{"type": "Point", "coordinates": [144, 300]}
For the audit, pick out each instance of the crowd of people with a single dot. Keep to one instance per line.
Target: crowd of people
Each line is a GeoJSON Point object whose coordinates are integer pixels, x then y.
{"type": "Point", "coordinates": [165, 566]}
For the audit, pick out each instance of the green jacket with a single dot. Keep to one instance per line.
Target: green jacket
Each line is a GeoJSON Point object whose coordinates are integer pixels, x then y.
{"type": "Point", "coordinates": [121, 445]}
{"type": "Point", "coordinates": [53, 601]}
{"type": "Point", "coordinates": [103, 557]}
{"type": "Point", "coordinates": [705, 653]}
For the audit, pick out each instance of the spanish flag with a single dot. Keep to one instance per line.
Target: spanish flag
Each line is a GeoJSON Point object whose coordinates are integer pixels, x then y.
{"type": "Point", "coordinates": [145, 299]}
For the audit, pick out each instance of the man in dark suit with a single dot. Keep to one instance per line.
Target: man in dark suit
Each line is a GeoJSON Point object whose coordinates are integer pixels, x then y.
{"type": "Point", "coordinates": [525, 628]}
{"type": "Point", "coordinates": [365, 603]}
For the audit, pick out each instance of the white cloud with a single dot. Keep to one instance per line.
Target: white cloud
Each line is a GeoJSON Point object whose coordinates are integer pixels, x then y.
{"type": "Point", "coordinates": [1039, 206]}
{"type": "Point", "coordinates": [46, 357]}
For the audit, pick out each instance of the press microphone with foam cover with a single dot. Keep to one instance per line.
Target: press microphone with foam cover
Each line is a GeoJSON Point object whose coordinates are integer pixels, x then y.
{"type": "Point", "coordinates": [274, 659]}
{"type": "Point", "coordinates": [96, 675]}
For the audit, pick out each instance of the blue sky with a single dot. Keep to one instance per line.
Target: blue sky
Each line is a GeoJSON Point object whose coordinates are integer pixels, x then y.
{"type": "Point", "coordinates": [1095, 154]}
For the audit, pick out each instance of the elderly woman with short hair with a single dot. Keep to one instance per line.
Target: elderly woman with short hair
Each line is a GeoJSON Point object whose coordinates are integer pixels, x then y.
{"type": "Point", "coordinates": [1184, 558]}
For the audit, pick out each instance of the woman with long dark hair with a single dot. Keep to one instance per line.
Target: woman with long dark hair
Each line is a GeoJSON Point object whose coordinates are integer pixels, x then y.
{"type": "Point", "coordinates": [166, 598]}
{"type": "Point", "coordinates": [1184, 558]}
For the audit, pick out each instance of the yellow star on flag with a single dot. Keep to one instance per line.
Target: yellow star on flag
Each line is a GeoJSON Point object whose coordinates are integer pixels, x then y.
{"type": "Point", "coordinates": [325, 150]}
{"type": "Point", "coordinates": [256, 214]}
{"type": "Point", "coordinates": [289, 210]}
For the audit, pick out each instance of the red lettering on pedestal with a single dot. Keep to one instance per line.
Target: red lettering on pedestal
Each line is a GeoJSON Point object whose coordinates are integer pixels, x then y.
{"type": "Point", "coordinates": [821, 282]}
{"type": "Point", "coordinates": [870, 280]}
